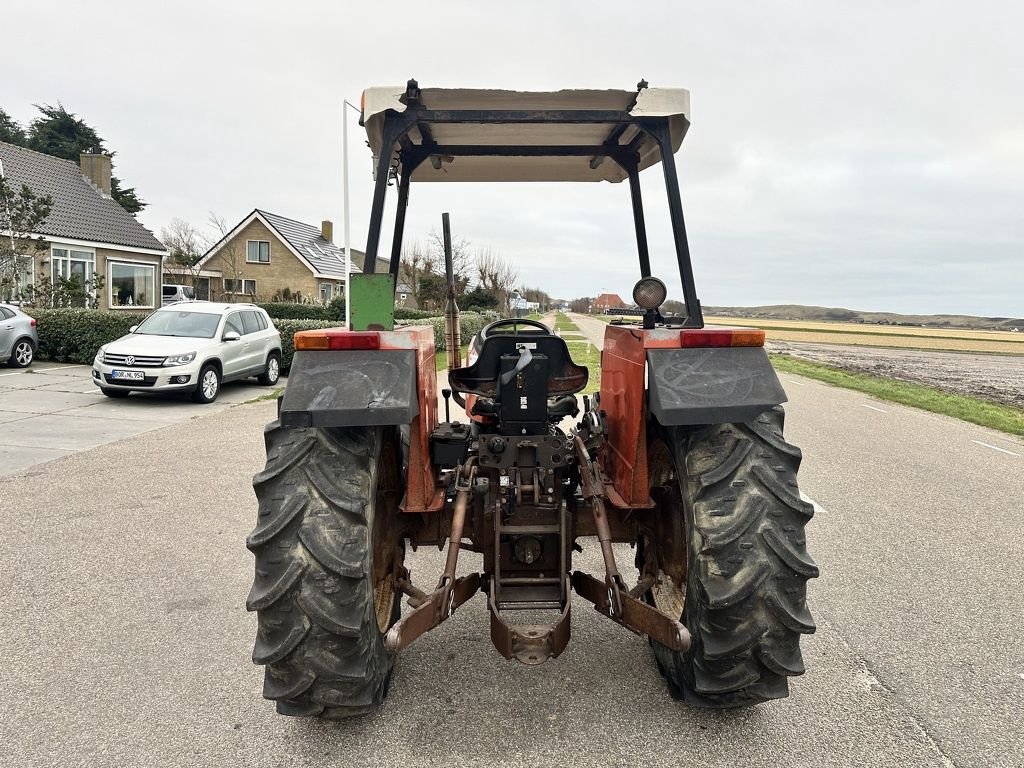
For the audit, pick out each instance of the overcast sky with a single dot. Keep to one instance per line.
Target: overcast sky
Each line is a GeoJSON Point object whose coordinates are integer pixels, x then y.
{"type": "Point", "coordinates": [868, 157]}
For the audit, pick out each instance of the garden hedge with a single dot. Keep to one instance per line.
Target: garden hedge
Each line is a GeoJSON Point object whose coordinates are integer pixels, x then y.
{"type": "Point", "coordinates": [404, 313]}
{"type": "Point", "coordinates": [290, 310]}
{"type": "Point", "coordinates": [74, 335]}
{"type": "Point", "coordinates": [470, 324]}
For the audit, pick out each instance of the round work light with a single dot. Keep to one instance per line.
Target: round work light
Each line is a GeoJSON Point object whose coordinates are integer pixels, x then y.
{"type": "Point", "coordinates": [649, 293]}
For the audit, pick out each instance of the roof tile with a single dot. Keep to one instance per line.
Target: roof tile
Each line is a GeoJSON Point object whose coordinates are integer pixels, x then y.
{"type": "Point", "coordinates": [325, 256]}
{"type": "Point", "coordinates": [79, 210]}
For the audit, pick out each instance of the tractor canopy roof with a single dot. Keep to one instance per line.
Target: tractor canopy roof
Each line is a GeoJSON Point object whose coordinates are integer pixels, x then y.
{"type": "Point", "coordinates": [457, 134]}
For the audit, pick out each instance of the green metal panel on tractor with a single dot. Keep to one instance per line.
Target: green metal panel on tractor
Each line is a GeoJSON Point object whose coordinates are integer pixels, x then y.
{"type": "Point", "coordinates": [373, 302]}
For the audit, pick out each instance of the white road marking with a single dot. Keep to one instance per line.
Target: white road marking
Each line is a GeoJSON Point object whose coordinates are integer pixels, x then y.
{"type": "Point", "coordinates": [798, 383]}
{"type": "Point", "coordinates": [880, 410]}
{"type": "Point", "coordinates": [41, 370]}
{"type": "Point", "coordinates": [995, 448]}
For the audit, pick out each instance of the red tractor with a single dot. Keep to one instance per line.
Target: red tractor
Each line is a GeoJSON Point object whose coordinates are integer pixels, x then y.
{"type": "Point", "coordinates": [680, 454]}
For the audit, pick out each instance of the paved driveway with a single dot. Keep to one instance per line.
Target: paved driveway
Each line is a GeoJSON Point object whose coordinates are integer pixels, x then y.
{"type": "Point", "coordinates": [52, 410]}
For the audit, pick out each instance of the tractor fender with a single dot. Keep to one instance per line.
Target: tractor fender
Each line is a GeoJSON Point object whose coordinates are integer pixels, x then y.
{"type": "Point", "coordinates": [351, 388]}
{"type": "Point", "coordinates": [721, 385]}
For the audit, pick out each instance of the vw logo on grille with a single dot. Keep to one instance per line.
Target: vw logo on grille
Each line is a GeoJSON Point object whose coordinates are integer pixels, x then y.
{"type": "Point", "coordinates": [129, 360]}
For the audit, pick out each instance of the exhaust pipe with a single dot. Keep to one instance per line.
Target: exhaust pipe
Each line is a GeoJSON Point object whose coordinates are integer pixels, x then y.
{"type": "Point", "coordinates": [452, 334]}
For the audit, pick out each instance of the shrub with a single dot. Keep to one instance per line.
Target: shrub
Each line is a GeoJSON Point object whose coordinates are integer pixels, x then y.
{"type": "Point", "coordinates": [290, 310]}
{"type": "Point", "coordinates": [405, 313]}
{"type": "Point", "coordinates": [74, 335]}
{"type": "Point", "coordinates": [288, 328]}
{"type": "Point", "coordinates": [470, 324]}
{"type": "Point", "coordinates": [335, 310]}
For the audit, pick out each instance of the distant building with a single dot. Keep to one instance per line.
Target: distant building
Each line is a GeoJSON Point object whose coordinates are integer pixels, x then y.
{"type": "Point", "coordinates": [404, 296]}
{"type": "Point", "coordinates": [266, 254]}
{"type": "Point", "coordinates": [88, 235]}
{"type": "Point", "coordinates": [608, 301]}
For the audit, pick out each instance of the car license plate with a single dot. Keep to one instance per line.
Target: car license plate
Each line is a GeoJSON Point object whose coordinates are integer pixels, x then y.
{"type": "Point", "coordinates": [128, 375]}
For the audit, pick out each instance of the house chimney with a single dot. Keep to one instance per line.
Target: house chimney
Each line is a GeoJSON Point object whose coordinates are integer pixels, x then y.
{"type": "Point", "coordinates": [96, 169]}
{"type": "Point", "coordinates": [327, 230]}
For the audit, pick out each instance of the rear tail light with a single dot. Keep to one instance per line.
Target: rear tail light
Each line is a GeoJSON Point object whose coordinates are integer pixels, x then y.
{"type": "Point", "coordinates": [336, 338]}
{"type": "Point", "coordinates": [722, 337]}
{"type": "Point", "coordinates": [33, 322]}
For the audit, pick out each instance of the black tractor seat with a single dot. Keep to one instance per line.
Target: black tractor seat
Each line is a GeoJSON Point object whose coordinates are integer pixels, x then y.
{"type": "Point", "coordinates": [505, 338]}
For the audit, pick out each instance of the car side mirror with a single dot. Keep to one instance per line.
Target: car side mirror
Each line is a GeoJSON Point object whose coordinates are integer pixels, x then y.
{"type": "Point", "coordinates": [231, 336]}
{"type": "Point", "coordinates": [133, 329]}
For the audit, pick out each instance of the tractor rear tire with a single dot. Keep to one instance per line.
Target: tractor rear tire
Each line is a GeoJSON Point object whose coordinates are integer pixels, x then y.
{"type": "Point", "coordinates": [727, 504]}
{"type": "Point", "coordinates": [327, 543]}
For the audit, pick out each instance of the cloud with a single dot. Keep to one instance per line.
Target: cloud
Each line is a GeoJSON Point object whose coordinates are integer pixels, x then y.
{"type": "Point", "coordinates": [869, 156]}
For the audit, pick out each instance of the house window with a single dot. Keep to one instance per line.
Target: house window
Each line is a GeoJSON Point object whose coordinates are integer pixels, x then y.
{"type": "Point", "coordinates": [325, 293]}
{"type": "Point", "coordinates": [239, 286]}
{"type": "Point", "coordinates": [257, 251]}
{"type": "Point", "coordinates": [77, 268]}
{"type": "Point", "coordinates": [131, 285]}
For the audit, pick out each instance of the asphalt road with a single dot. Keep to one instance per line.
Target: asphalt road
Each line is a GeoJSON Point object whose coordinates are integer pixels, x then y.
{"type": "Point", "coordinates": [126, 641]}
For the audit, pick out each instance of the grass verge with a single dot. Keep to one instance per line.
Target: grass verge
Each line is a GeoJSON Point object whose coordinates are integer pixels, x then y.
{"type": "Point", "coordinates": [582, 352]}
{"type": "Point", "coordinates": [1004, 418]}
{"type": "Point", "coordinates": [441, 358]}
{"type": "Point", "coordinates": [563, 323]}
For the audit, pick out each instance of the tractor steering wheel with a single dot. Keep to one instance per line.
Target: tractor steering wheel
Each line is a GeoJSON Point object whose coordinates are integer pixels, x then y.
{"type": "Point", "coordinates": [514, 322]}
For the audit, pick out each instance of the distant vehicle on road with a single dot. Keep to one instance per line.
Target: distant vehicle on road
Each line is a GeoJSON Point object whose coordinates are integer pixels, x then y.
{"type": "Point", "coordinates": [18, 338]}
{"type": "Point", "coordinates": [192, 347]}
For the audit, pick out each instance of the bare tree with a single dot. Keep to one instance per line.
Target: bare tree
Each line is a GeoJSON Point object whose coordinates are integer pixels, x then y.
{"type": "Point", "coordinates": [537, 296]}
{"type": "Point", "coordinates": [21, 213]}
{"type": "Point", "coordinates": [462, 258]}
{"type": "Point", "coordinates": [581, 305]}
{"type": "Point", "coordinates": [416, 262]}
{"type": "Point", "coordinates": [231, 253]}
{"type": "Point", "coordinates": [187, 246]}
{"type": "Point", "coordinates": [497, 275]}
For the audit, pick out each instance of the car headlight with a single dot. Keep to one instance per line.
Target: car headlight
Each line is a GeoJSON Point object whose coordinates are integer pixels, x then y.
{"type": "Point", "coordinates": [99, 355]}
{"type": "Point", "coordinates": [184, 359]}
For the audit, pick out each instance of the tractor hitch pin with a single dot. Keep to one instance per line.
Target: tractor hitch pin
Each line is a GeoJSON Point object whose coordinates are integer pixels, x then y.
{"type": "Point", "coordinates": [450, 593]}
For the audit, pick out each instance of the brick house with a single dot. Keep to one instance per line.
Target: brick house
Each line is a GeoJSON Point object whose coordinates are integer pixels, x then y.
{"type": "Point", "coordinates": [267, 257]}
{"type": "Point", "coordinates": [87, 233]}
{"type": "Point", "coordinates": [608, 301]}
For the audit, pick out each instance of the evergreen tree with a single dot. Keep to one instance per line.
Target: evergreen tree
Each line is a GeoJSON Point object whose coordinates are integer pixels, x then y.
{"type": "Point", "coordinates": [10, 131]}
{"type": "Point", "coordinates": [63, 134]}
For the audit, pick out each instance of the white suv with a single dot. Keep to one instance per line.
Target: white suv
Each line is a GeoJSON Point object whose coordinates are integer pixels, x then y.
{"type": "Point", "coordinates": [191, 347]}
